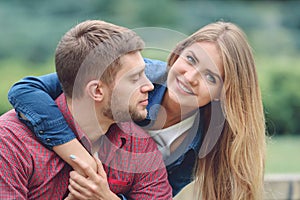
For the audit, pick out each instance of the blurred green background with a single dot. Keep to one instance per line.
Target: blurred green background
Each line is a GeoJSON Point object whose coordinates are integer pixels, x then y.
{"type": "Point", "coordinates": [31, 29]}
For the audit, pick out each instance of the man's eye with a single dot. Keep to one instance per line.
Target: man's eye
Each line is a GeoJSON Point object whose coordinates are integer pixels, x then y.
{"type": "Point", "coordinates": [135, 78]}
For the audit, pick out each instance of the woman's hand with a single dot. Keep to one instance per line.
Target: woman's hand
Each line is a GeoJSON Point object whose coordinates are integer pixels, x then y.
{"type": "Point", "coordinates": [94, 186]}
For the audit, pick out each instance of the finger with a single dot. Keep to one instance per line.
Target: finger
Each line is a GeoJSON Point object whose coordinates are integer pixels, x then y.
{"type": "Point", "coordinates": [77, 187]}
{"type": "Point", "coordinates": [78, 179]}
{"type": "Point", "coordinates": [70, 197]}
{"type": "Point", "coordinates": [100, 169]}
{"type": "Point", "coordinates": [75, 194]}
{"type": "Point", "coordinates": [87, 185]}
{"type": "Point", "coordinates": [85, 193]}
{"type": "Point", "coordinates": [84, 166]}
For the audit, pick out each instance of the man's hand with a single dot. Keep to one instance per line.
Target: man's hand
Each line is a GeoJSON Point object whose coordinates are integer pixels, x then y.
{"type": "Point", "coordinates": [94, 186]}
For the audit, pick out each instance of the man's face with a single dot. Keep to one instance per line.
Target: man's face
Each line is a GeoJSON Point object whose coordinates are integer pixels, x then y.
{"type": "Point", "coordinates": [129, 96]}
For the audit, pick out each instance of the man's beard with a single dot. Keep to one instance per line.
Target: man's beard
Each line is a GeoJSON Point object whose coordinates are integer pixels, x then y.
{"type": "Point", "coordinates": [123, 115]}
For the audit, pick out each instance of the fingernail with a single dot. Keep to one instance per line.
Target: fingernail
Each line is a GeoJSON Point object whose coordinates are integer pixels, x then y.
{"type": "Point", "coordinates": [73, 157]}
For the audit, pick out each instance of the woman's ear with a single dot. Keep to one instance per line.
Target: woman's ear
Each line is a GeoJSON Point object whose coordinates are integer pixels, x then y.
{"type": "Point", "coordinates": [95, 90]}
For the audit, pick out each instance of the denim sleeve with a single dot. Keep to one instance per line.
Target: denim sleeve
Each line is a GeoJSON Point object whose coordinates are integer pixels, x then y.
{"type": "Point", "coordinates": [156, 71]}
{"type": "Point", "coordinates": [34, 98]}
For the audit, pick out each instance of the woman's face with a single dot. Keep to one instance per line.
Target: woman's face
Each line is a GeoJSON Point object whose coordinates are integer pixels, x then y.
{"type": "Point", "coordinates": [196, 78]}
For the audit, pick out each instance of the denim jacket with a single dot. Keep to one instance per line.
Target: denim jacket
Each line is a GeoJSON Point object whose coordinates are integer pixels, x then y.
{"type": "Point", "coordinates": [34, 97]}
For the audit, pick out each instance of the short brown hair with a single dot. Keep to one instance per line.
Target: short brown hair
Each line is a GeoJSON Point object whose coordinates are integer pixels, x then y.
{"type": "Point", "coordinates": [91, 50]}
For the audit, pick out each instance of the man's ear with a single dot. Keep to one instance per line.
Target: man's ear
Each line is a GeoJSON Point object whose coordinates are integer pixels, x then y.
{"type": "Point", "coordinates": [95, 90]}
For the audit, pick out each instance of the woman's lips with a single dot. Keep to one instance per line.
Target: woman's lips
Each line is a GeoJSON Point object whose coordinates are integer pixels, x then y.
{"type": "Point", "coordinates": [184, 88]}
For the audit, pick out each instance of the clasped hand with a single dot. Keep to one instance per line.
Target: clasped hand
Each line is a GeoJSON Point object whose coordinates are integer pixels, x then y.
{"type": "Point", "coordinates": [92, 186]}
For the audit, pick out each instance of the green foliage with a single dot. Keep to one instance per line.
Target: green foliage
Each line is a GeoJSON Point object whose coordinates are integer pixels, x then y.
{"type": "Point", "coordinates": [11, 71]}
{"type": "Point", "coordinates": [31, 29]}
{"type": "Point", "coordinates": [279, 77]}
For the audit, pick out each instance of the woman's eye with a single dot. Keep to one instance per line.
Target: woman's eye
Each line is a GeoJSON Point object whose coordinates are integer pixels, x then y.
{"type": "Point", "coordinates": [210, 78]}
{"type": "Point", "coordinates": [191, 60]}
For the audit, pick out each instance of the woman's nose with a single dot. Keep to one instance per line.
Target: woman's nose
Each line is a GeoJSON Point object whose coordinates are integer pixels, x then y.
{"type": "Point", "coordinates": [192, 76]}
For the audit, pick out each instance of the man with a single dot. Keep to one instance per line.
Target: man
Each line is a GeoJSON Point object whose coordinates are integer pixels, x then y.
{"type": "Point", "coordinates": [102, 74]}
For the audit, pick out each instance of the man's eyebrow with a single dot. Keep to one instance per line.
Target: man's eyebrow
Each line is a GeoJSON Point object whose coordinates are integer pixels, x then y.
{"type": "Point", "coordinates": [137, 71]}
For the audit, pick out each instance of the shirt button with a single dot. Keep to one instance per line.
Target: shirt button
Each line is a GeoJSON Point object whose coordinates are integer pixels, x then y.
{"type": "Point", "coordinates": [48, 140]}
{"type": "Point", "coordinates": [41, 132]}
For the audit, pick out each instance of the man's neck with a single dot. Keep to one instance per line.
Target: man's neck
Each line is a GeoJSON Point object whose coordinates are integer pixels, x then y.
{"type": "Point", "coordinates": [89, 120]}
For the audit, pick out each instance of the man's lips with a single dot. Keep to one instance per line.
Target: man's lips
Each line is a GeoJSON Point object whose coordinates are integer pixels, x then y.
{"type": "Point", "coordinates": [144, 102]}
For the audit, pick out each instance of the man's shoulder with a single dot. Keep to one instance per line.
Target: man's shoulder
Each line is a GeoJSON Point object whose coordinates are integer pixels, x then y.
{"type": "Point", "coordinates": [16, 140]}
{"type": "Point", "coordinates": [9, 115]}
{"type": "Point", "coordinates": [9, 120]}
{"type": "Point", "coordinates": [12, 127]}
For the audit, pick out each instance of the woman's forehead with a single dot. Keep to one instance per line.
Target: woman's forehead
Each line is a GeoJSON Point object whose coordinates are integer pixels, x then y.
{"type": "Point", "coordinates": [208, 56]}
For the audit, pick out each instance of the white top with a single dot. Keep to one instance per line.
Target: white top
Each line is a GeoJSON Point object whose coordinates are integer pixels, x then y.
{"type": "Point", "coordinates": [165, 137]}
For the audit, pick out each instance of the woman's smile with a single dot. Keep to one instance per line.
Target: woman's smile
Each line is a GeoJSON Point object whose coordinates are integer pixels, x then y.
{"type": "Point", "coordinates": [185, 88]}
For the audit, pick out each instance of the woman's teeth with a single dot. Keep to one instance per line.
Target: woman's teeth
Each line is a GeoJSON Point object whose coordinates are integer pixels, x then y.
{"type": "Point", "coordinates": [185, 88]}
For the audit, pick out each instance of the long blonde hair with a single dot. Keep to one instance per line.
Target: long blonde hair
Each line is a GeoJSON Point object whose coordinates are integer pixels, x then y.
{"type": "Point", "coordinates": [234, 168]}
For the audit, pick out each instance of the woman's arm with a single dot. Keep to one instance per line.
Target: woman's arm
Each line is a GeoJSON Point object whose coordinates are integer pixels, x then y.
{"type": "Point", "coordinates": [33, 100]}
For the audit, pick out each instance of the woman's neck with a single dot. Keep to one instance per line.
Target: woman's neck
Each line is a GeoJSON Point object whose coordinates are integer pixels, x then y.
{"type": "Point", "coordinates": [170, 113]}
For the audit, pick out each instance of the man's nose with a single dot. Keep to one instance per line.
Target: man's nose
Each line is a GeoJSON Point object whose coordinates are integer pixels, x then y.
{"type": "Point", "coordinates": [147, 86]}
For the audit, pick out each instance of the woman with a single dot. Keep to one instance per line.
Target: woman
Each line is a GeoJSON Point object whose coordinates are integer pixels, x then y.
{"type": "Point", "coordinates": [210, 122]}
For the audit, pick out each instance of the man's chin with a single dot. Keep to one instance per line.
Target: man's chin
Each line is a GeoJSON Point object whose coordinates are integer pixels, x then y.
{"type": "Point", "coordinates": [140, 116]}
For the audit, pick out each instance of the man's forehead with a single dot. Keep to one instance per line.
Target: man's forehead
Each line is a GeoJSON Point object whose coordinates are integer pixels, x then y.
{"type": "Point", "coordinates": [131, 64]}
{"type": "Point", "coordinates": [130, 71]}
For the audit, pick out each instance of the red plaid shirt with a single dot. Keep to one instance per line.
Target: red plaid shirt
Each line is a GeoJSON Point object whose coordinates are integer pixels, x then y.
{"type": "Point", "coordinates": [28, 170]}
